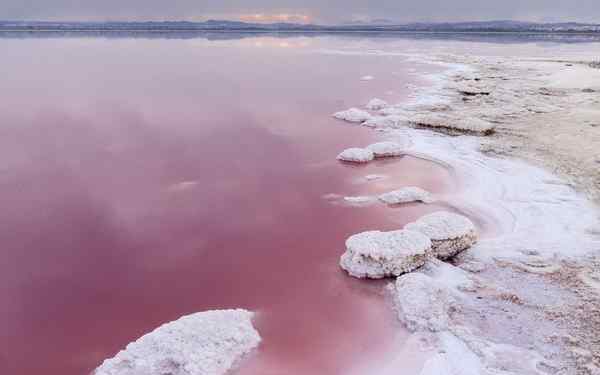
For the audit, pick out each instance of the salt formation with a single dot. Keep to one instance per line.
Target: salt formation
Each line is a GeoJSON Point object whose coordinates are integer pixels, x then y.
{"type": "Point", "coordinates": [386, 149]}
{"type": "Point", "coordinates": [391, 121]}
{"type": "Point", "coordinates": [449, 233]}
{"type": "Point", "coordinates": [356, 155]}
{"type": "Point", "coordinates": [406, 195]}
{"type": "Point", "coordinates": [422, 302]}
{"type": "Point", "coordinates": [451, 123]}
{"type": "Point", "coordinates": [203, 343]}
{"type": "Point", "coordinates": [353, 115]}
{"type": "Point", "coordinates": [376, 104]}
{"type": "Point", "coordinates": [376, 254]}
{"type": "Point", "coordinates": [367, 78]}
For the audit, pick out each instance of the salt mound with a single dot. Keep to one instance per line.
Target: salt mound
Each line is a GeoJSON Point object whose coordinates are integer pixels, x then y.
{"type": "Point", "coordinates": [463, 124]}
{"type": "Point", "coordinates": [378, 254]}
{"type": "Point", "coordinates": [422, 302]}
{"type": "Point", "coordinates": [203, 343]}
{"type": "Point", "coordinates": [406, 195]}
{"type": "Point", "coordinates": [386, 149]}
{"type": "Point", "coordinates": [391, 121]}
{"type": "Point", "coordinates": [353, 115]}
{"type": "Point", "coordinates": [367, 78]}
{"type": "Point", "coordinates": [449, 233]}
{"type": "Point", "coordinates": [376, 104]}
{"type": "Point", "coordinates": [356, 155]}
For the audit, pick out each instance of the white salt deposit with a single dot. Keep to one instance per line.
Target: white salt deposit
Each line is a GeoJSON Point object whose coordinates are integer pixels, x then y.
{"type": "Point", "coordinates": [386, 149]}
{"type": "Point", "coordinates": [378, 254]}
{"type": "Point", "coordinates": [376, 104]}
{"type": "Point", "coordinates": [353, 115]}
{"type": "Point", "coordinates": [457, 123]}
{"type": "Point", "coordinates": [449, 233]}
{"type": "Point", "coordinates": [367, 78]}
{"type": "Point", "coordinates": [422, 303]}
{"type": "Point", "coordinates": [382, 122]}
{"type": "Point", "coordinates": [406, 195]}
{"type": "Point", "coordinates": [395, 110]}
{"type": "Point", "coordinates": [208, 342]}
{"type": "Point", "coordinates": [356, 155]}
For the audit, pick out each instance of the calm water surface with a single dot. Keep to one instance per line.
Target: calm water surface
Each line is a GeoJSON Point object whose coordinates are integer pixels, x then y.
{"type": "Point", "coordinates": [142, 180]}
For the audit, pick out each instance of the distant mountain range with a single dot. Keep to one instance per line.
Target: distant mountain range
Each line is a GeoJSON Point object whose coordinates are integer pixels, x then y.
{"type": "Point", "coordinates": [384, 26]}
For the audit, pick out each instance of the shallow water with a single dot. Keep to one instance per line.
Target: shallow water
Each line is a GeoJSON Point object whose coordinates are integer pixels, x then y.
{"type": "Point", "coordinates": [142, 180]}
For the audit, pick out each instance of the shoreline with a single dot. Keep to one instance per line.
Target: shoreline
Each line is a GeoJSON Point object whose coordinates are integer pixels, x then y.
{"type": "Point", "coordinates": [542, 269]}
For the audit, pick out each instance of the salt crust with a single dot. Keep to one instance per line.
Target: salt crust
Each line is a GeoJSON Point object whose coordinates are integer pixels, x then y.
{"type": "Point", "coordinates": [406, 195]}
{"type": "Point", "coordinates": [386, 149]}
{"type": "Point", "coordinates": [376, 254]}
{"type": "Point", "coordinates": [356, 155]}
{"type": "Point", "coordinates": [449, 233]}
{"type": "Point", "coordinates": [353, 115]}
{"type": "Point", "coordinates": [208, 343]}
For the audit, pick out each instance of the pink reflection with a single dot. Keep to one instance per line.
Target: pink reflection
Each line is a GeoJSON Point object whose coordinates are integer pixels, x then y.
{"type": "Point", "coordinates": [158, 179]}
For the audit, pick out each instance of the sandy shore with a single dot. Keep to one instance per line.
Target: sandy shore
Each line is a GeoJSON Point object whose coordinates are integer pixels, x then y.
{"type": "Point", "coordinates": [526, 298]}
{"type": "Point", "coordinates": [545, 111]}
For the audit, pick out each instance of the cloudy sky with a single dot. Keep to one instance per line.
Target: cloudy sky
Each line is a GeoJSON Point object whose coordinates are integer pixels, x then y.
{"type": "Point", "coordinates": [323, 11]}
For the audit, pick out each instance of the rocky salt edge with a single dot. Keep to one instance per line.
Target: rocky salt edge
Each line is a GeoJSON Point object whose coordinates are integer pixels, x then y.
{"type": "Point", "coordinates": [376, 254]}
{"type": "Point", "coordinates": [538, 269]}
{"type": "Point", "coordinates": [210, 343]}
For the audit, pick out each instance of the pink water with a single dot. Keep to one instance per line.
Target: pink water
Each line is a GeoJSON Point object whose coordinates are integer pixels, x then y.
{"type": "Point", "coordinates": [142, 180]}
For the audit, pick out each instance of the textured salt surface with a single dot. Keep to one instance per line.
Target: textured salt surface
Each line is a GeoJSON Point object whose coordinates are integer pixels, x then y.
{"type": "Point", "coordinates": [353, 115]}
{"type": "Point", "coordinates": [449, 233]}
{"type": "Point", "coordinates": [459, 123]}
{"type": "Point", "coordinates": [389, 121]}
{"type": "Point", "coordinates": [356, 155]}
{"type": "Point", "coordinates": [378, 254]}
{"type": "Point", "coordinates": [406, 195]}
{"type": "Point", "coordinates": [386, 149]}
{"type": "Point", "coordinates": [203, 343]}
{"type": "Point", "coordinates": [376, 104]}
{"type": "Point", "coordinates": [422, 303]}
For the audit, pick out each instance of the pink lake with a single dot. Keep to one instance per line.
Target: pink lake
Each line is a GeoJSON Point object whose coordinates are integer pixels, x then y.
{"type": "Point", "coordinates": [142, 180]}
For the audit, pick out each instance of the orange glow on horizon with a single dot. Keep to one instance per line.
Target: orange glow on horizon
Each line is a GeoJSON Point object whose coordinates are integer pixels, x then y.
{"type": "Point", "coordinates": [280, 17]}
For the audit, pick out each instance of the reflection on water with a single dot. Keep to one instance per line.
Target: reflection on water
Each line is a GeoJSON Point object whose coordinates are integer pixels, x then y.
{"type": "Point", "coordinates": [142, 180]}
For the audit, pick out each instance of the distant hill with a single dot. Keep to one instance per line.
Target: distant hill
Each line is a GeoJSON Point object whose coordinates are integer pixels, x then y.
{"type": "Point", "coordinates": [382, 26]}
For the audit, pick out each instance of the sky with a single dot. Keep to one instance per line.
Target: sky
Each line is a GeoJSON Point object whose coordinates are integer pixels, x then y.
{"type": "Point", "coordinates": [305, 11]}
